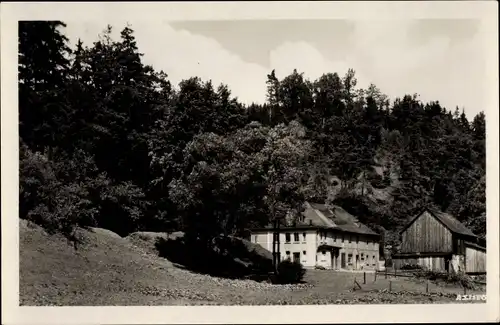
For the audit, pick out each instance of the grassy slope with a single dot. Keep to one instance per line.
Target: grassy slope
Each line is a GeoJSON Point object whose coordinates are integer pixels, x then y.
{"type": "Point", "coordinates": [109, 270]}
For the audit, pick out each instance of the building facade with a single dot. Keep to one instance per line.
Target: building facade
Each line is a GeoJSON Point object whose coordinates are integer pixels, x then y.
{"type": "Point", "coordinates": [326, 238]}
{"type": "Point", "coordinates": [437, 241]}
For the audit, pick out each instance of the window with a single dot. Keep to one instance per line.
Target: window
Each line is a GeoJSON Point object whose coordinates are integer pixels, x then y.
{"type": "Point", "coordinates": [304, 236]}
{"type": "Point", "coordinates": [357, 239]}
{"type": "Point", "coordinates": [350, 238]}
{"type": "Point", "coordinates": [296, 237]}
{"type": "Point", "coordinates": [255, 238]}
{"type": "Point", "coordinates": [374, 261]}
{"type": "Point", "coordinates": [349, 258]}
{"type": "Point", "coordinates": [362, 257]}
{"type": "Point", "coordinates": [343, 238]}
{"type": "Point", "coordinates": [287, 253]}
{"type": "Point", "coordinates": [287, 237]}
{"type": "Point", "coordinates": [323, 252]}
{"type": "Point", "coordinates": [303, 252]}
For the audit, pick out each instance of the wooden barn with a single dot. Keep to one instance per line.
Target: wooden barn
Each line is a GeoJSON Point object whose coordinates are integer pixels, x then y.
{"type": "Point", "coordinates": [437, 241]}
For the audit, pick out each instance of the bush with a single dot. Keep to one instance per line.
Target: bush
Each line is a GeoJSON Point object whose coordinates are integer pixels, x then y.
{"type": "Point", "coordinates": [46, 200]}
{"type": "Point", "coordinates": [461, 279]}
{"type": "Point", "coordinates": [290, 272]}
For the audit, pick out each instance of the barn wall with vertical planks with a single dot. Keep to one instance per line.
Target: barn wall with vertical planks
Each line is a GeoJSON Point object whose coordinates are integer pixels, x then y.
{"type": "Point", "coordinates": [425, 235]}
{"type": "Point", "coordinates": [435, 263]}
{"type": "Point", "coordinates": [475, 260]}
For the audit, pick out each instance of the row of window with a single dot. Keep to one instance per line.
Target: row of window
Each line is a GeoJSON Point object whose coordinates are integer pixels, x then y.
{"type": "Point", "coordinates": [296, 256]}
{"type": "Point", "coordinates": [288, 253]}
{"type": "Point", "coordinates": [323, 235]}
{"type": "Point", "coordinates": [365, 259]}
{"type": "Point", "coordinates": [296, 237]}
{"type": "Point", "coordinates": [349, 258]}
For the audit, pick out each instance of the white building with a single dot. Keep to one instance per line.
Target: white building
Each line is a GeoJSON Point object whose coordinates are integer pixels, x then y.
{"type": "Point", "coordinates": [330, 238]}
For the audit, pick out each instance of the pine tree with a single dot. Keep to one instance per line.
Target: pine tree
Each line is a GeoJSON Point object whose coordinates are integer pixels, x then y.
{"type": "Point", "coordinates": [43, 73]}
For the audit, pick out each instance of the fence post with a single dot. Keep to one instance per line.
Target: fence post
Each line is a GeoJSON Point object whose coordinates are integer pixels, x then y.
{"type": "Point", "coordinates": [395, 270]}
{"type": "Point", "coordinates": [364, 277]}
{"type": "Point", "coordinates": [386, 272]}
{"type": "Point", "coordinates": [375, 276]}
{"type": "Point", "coordinates": [390, 285]}
{"type": "Point", "coordinates": [357, 284]}
{"type": "Point", "coordinates": [427, 287]}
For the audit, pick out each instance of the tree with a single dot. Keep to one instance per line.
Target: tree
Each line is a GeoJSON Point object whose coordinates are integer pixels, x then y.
{"type": "Point", "coordinates": [273, 97]}
{"type": "Point", "coordinates": [247, 178]}
{"type": "Point", "coordinates": [43, 67]}
{"type": "Point", "coordinates": [286, 155]}
{"type": "Point", "coordinates": [295, 98]}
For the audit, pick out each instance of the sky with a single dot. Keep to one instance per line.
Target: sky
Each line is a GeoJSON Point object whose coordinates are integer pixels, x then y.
{"type": "Point", "coordinates": [438, 59]}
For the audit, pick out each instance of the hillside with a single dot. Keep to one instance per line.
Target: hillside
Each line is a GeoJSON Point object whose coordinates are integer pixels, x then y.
{"type": "Point", "coordinates": [107, 270]}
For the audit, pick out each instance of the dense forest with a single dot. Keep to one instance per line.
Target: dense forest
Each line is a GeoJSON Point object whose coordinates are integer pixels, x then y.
{"type": "Point", "coordinates": [108, 141]}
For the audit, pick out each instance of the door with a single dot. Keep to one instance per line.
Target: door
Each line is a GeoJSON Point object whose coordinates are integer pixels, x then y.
{"type": "Point", "coordinates": [342, 260]}
{"type": "Point", "coordinates": [296, 257]}
{"type": "Point", "coordinates": [447, 263]}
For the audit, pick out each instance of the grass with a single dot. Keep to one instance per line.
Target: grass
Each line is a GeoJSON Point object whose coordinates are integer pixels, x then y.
{"type": "Point", "coordinates": [107, 269]}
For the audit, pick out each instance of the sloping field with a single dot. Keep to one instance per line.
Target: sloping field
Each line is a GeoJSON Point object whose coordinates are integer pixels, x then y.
{"type": "Point", "coordinates": [106, 269]}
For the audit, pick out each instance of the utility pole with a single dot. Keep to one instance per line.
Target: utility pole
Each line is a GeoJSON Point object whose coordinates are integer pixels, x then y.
{"type": "Point", "coordinates": [274, 245]}
{"type": "Point", "coordinates": [278, 255]}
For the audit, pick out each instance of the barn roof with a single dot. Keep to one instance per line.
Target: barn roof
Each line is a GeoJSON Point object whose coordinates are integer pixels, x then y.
{"type": "Point", "coordinates": [448, 220]}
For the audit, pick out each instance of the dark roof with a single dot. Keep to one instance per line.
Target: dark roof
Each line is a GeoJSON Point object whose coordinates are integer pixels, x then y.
{"type": "Point", "coordinates": [320, 216]}
{"type": "Point", "coordinates": [343, 220]}
{"type": "Point", "coordinates": [452, 223]}
{"type": "Point", "coordinates": [448, 220]}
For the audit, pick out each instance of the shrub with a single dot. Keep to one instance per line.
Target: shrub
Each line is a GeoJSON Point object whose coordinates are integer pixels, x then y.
{"type": "Point", "coordinates": [461, 279]}
{"type": "Point", "coordinates": [50, 202]}
{"type": "Point", "coordinates": [290, 272]}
